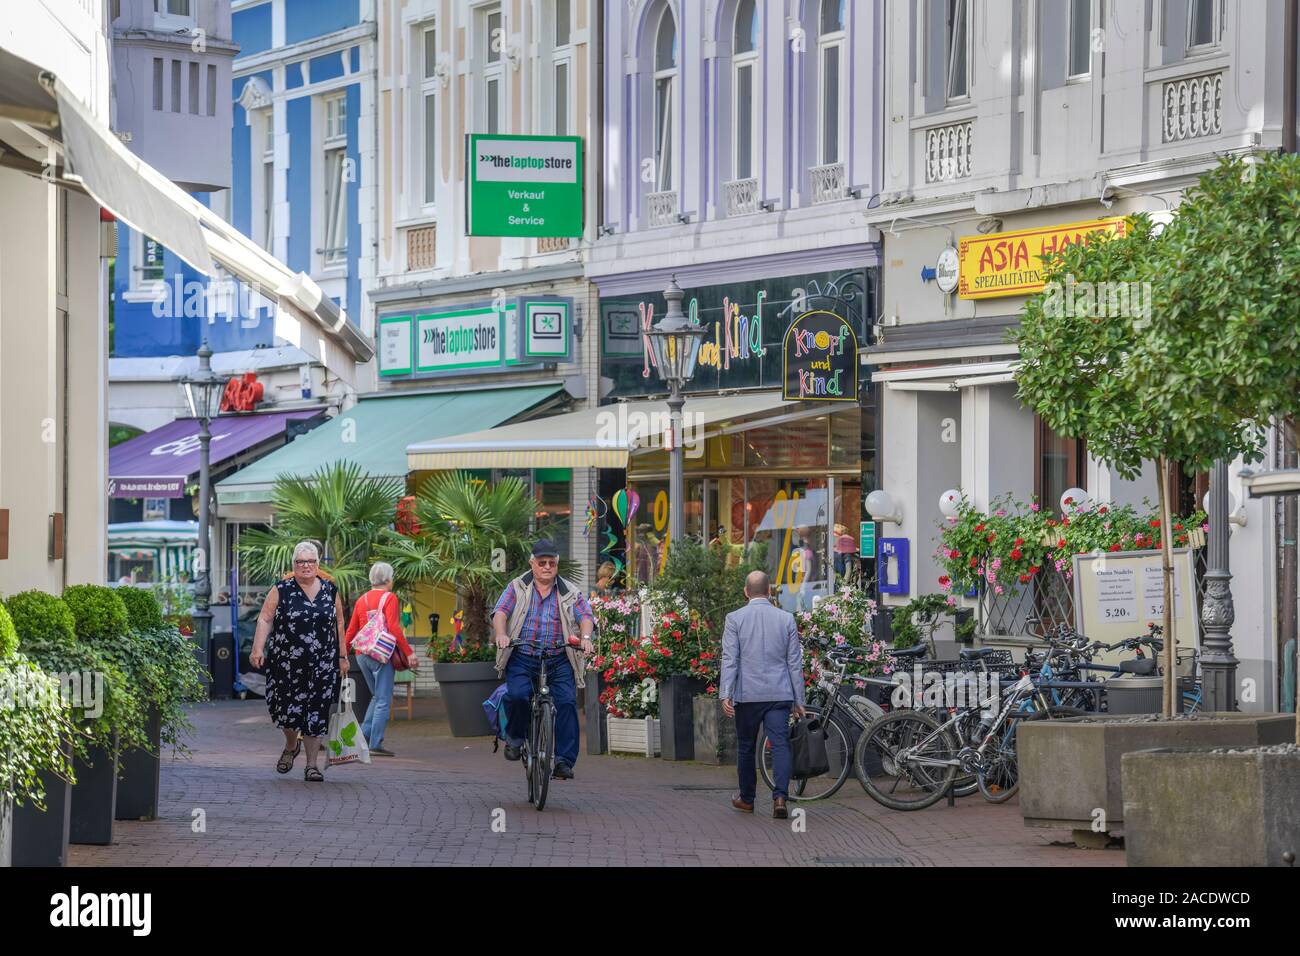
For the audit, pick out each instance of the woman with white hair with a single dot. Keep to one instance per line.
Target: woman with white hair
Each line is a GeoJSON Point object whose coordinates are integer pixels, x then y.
{"type": "Point", "coordinates": [379, 602]}
{"type": "Point", "coordinates": [304, 656]}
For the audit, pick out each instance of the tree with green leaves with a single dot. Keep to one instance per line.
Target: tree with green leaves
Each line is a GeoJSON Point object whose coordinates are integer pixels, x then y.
{"type": "Point", "coordinates": [473, 537]}
{"type": "Point", "coordinates": [346, 512]}
{"type": "Point", "coordinates": [1138, 381]}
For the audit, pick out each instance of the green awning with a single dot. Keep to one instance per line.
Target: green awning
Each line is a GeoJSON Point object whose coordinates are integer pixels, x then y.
{"type": "Point", "coordinates": [374, 433]}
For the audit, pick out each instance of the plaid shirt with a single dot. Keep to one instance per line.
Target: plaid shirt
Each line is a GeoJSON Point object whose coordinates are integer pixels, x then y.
{"type": "Point", "coordinates": [542, 629]}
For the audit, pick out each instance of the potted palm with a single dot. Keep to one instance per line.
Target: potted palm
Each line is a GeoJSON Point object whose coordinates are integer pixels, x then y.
{"type": "Point", "coordinates": [469, 537]}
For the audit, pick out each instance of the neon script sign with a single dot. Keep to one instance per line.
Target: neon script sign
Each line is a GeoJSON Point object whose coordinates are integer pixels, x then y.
{"type": "Point", "coordinates": [736, 336]}
{"type": "Point", "coordinates": [820, 359]}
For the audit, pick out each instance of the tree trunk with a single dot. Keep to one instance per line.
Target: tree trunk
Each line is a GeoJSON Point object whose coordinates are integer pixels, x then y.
{"type": "Point", "coordinates": [476, 625]}
{"type": "Point", "coordinates": [1167, 576]}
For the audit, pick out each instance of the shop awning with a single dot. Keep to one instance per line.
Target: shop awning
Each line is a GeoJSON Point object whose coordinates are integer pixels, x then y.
{"type": "Point", "coordinates": [95, 160]}
{"type": "Point", "coordinates": [948, 378]}
{"type": "Point", "coordinates": [158, 464]}
{"type": "Point", "coordinates": [374, 433]}
{"type": "Point", "coordinates": [601, 437]}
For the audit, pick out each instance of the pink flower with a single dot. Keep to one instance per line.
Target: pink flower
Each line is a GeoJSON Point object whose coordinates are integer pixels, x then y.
{"type": "Point", "coordinates": [952, 601]}
{"type": "Point", "coordinates": [997, 589]}
{"type": "Point", "coordinates": [997, 563]}
{"type": "Point", "coordinates": [1000, 513]}
{"type": "Point", "coordinates": [1034, 506]}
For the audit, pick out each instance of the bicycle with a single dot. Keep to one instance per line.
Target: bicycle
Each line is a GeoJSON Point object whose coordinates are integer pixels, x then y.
{"type": "Point", "coordinates": [539, 749]}
{"type": "Point", "coordinates": [914, 750]}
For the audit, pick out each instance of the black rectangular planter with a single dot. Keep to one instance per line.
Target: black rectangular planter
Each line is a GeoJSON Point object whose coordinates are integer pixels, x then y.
{"type": "Point", "coordinates": [41, 836]}
{"type": "Point", "coordinates": [715, 733]}
{"type": "Point", "coordinates": [94, 797]}
{"type": "Point", "coordinates": [597, 729]}
{"type": "Point", "coordinates": [677, 715]}
{"type": "Point", "coordinates": [6, 831]}
{"type": "Point", "coordinates": [137, 784]}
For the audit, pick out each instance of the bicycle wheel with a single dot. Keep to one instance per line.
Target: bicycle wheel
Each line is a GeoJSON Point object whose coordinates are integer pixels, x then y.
{"type": "Point", "coordinates": [544, 763]}
{"type": "Point", "coordinates": [900, 783]}
{"type": "Point", "coordinates": [838, 752]}
{"type": "Point", "coordinates": [999, 778]}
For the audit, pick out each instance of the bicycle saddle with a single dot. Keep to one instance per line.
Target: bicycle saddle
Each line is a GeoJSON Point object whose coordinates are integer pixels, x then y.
{"type": "Point", "coordinates": [1141, 666]}
{"type": "Point", "coordinates": [911, 652]}
{"type": "Point", "coordinates": [975, 653]}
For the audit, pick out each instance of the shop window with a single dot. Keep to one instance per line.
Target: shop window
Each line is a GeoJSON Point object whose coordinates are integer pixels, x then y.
{"type": "Point", "coordinates": [798, 444]}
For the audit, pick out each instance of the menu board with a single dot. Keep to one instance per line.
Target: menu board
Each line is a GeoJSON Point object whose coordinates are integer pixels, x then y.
{"type": "Point", "coordinates": [1116, 595]}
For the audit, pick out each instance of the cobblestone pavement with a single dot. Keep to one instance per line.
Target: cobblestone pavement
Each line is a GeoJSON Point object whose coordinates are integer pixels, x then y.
{"type": "Point", "coordinates": [434, 804]}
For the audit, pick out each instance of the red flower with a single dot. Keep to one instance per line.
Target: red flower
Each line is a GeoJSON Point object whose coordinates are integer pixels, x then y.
{"type": "Point", "coordinates": [1113, 547]}
{"type": "Point", "coordinates": [1102, 510]}
{"type": "Point", "coordinates": [990, 538]}
{"type": "Point", "coordinates": [1060, 543]}
{"type": "Point", "coordinates": [1016, 554]}
{"type": "Point", "coordinates": [1019, 542]}
{"type": "Point", "coordinates": [974, 562]}
{"type": "Point", "coordinates": [1064, 522]}
{"type": "Point", "coordinates": [1155, 522]}
{"type": "Point", "coordinates": [1034, 569]}
{"type": "Point", "coordinates": [1069, 500]}
{"type": "Point", "coordinates": [1024, 579]}
{"type": "Point", "coordinates": [1178, 527]}
{"type": "Point", "coordinates": [677, 634]}
{"type": "Point", "coordinates": [979, 527]}
{"type": "Point", "coordinates": [944, 580]}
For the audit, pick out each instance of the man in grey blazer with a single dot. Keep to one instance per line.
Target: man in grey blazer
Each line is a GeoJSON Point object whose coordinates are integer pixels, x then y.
{"type": "Point", "coordinates": [762, 683]}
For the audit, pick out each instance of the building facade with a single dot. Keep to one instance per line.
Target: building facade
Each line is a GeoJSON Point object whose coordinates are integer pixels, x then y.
{"type": "Point", "coordinates": [53, 293]}
{"type": "Point", "coordinates": [1030, 124]}
{"type": "Point", "coordinates": [742, 148]}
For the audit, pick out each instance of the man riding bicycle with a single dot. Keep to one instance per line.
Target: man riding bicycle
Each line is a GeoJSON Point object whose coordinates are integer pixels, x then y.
{"type": "Point", "coordinates": [540, 610]}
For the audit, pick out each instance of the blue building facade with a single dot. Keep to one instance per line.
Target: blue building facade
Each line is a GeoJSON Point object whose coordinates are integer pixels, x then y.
{"type": "Point", "coordinates": [302, 89]}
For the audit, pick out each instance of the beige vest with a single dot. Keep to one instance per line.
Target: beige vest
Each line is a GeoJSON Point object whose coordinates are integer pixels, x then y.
{"type": "Point", "coordinates": [568, 597]}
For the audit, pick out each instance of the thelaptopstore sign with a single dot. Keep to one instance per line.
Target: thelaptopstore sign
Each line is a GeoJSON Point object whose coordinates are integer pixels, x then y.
{"type": "Point", "coordinates": [523, 185]}
{"type": "Point", "coordinates": [525, 331]}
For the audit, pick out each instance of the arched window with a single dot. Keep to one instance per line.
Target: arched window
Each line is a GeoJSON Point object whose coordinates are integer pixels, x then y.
{"type": "Point", "coordinates": [665, 99]}
{"type": "Point", "coordinates": [830, 82]}
{"type": "Point", "coordinates": [744, 60]}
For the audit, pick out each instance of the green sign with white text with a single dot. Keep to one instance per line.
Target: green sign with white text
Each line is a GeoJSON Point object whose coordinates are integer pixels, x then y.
{"type": "Point", "coordinates": [523, 185]}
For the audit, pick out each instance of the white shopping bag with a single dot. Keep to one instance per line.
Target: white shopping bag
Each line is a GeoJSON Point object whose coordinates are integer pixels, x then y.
{"type": "Point", "coordinates": [346, 743]}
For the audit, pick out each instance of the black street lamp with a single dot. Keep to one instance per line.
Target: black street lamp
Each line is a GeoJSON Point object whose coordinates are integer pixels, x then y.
{"type": "Point", "coordinates": [203, 391]}
{"type": "Point", "coordinates": [675, 343]}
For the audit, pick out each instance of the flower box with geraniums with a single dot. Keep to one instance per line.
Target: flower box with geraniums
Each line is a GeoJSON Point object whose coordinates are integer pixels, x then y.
{"type": "Point", "coordinates": [630, 692]}
{"type": "Point", "coordinates": [678, 639]}
{"type": "Point", "coordinates": [617, 619]}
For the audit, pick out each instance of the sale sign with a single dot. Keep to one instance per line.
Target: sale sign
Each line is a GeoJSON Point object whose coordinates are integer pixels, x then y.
{"type": "Point", "coordinates": [1011, 263]}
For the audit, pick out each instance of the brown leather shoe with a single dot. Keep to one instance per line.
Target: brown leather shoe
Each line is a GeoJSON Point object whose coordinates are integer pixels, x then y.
{"type": "Point", "coordinates": [779, 811]}
{"type": "Point", "coordinates": [741, 805]}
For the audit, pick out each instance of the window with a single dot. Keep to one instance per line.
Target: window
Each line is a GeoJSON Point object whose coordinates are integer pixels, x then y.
{"type": "Point", "coordinates": [148, 268]}
{"type": "Point", "coordinates": [665, 99]}
{"type": "Point", "coordinates": [336, 168]}
{"type": "Point", "coordinates": [212, 89]}
{"type": "Point", "coordinates": [176, 86]}
{"type": "Point", "coordinates": [1080, 38]}
{"type": "Point", "coordinates": [494, 84]}
{"type": "Point", "coordinates": [1062, 463]}
{"type": "Point", "coordinates": [957, 51]}
{"type": "Point", "coordinates": [429, 116]}
{"type": "Point", "coordinates": [157, 83]}
{"type": "Point", "coordinates": [194, 88]}
{"type": "Point", "coordinates": [1204, 23]}
{"type": "Point", "coordinates": [268, 180]}
{"type": "Point", "coordinates": [830, 82]}
{"type": "Point", "coordinates": [175, 8]}
{"type": "Point", "coordinates": [562, 69]}
{"type": "Point", "coordinates": [744, 64]}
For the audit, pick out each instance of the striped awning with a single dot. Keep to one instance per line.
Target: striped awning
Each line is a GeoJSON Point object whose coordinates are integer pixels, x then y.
{"type": "Point", "coordinates": [603, 437]}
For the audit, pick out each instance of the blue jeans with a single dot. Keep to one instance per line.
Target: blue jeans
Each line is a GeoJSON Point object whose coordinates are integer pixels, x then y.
{"type": "Point", "coordinates": [775, 716]}
{"type": "Point", "coordinates": [379, 678]}
{"type": "Point", "coordinates": [521, 672]}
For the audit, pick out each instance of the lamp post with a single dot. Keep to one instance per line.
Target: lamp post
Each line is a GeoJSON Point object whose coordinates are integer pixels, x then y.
{"type": "Point", "coordinates": [1218, 665]}
{"type": "Point", "coordinates": [675, 345]}
{"type": "Point", "coordinates": [203, 391]}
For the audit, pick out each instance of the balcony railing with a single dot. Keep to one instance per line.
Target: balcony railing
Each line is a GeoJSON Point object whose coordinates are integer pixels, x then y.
{"type": "Point", "coordinates": [661, 208]}
{"type": "Point", "coordinates": [1193, 107]}
{"type": "Point", "coordinates": [740, 197]}
{"type": "Point", "coordinates": [552, 244]}
{"type": "Point", "coordinates": [827, 182]}
{"type": "Point", "coordinates": [948, 152]}
{"type": "Point", "coordinates": [421, 248]}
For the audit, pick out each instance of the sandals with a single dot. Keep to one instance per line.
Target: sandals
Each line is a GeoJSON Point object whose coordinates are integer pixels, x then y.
{"type": "Point", "coordinates": [313, 775]}
{"type": "Point", "coordinates": [287, 757]}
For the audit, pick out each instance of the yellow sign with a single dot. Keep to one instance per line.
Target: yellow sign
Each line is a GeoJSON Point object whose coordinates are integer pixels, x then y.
{"type": "Point", "coordinates": [1011, 263]}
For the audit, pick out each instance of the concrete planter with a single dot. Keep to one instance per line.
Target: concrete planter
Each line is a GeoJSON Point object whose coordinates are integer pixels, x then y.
{"type": "Point", "coordinates": [715, 733]}
{"type": "Point", "coordinates": [41, 836]}
{"type": "Point", "coordinates": [464, 687]}
{"type": "Point", "coordinates": [677, 715]}
{"type": "Point", "coordinates": [1070, 769]}
{"type": "Point", "coordinates": [137, 785]}
{"type": "Point", "coordinates": [6, 831]}
{"type": "Point", "coordinates": [94, 797]}
{"type": "Point", "coordinates": [1212, 807]}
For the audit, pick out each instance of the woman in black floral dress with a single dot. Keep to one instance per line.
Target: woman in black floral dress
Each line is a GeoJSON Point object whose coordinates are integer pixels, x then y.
{"type": "Point", "coordinates": [303, 658]}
